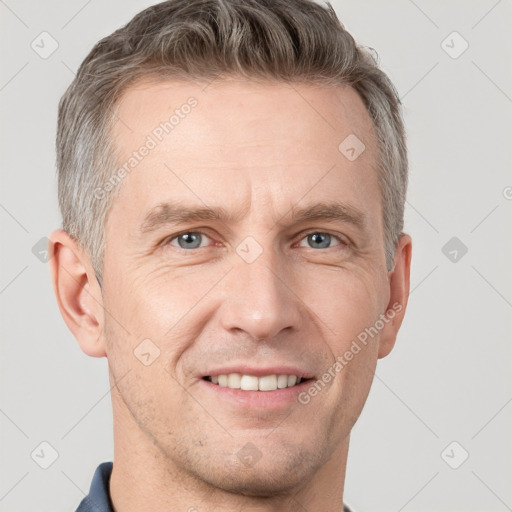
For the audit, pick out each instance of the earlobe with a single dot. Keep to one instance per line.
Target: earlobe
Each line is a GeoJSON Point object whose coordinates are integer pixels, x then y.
{"type": "Point", "coordinates": [399, 284]}
{"type": "Point", "coordinates": [78, 293]}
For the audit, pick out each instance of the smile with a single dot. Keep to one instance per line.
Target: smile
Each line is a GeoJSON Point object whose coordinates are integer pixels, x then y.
{"type": "Point", "coordinates": [253, 383]}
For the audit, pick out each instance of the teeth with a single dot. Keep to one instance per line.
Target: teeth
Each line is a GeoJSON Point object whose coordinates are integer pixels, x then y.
{"type": "Point", "coordinates": [249, 383]}
{"type": "Point", "coordinates": [282, 381]}
{"type": "Point", "coordinates": [234, 380]}
{"type": "Point", "coordinates": [268, 383]}
{"type": "Point", "coordinates": [252, 383]}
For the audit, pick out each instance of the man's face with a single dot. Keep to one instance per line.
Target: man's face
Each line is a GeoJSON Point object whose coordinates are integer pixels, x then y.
{"type": "Point", "coordinates": [261, 291]}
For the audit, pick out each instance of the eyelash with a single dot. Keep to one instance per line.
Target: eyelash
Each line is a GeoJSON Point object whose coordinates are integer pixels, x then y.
{"type": "Point", "coordinates": [343, 243]}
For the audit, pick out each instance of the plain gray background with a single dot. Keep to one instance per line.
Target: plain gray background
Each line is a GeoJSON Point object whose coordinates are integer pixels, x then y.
{"type": "Point", "coordinates": [448, 378]}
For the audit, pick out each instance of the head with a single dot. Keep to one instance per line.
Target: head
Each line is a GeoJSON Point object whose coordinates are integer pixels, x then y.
{"type": "Point", "coordinates": [232, 178]}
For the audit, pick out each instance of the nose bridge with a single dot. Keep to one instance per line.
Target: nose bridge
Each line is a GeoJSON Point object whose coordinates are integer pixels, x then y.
{"type": "Point", "coordinates": [259, 300]}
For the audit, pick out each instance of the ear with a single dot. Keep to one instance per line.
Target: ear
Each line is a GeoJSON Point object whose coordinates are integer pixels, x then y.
{"type": "Point", "coordinates": [399, 284]}
{"type": "Point", "coordinates": [78, 292]}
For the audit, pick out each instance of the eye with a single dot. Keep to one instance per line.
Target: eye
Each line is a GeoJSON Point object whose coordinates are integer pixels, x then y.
{"type": "Point", "coordinates": [320, 240]}
{"type": "Point", "coordinates": [188, 240]}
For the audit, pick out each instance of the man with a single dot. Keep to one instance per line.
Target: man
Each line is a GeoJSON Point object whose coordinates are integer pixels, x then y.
{"type": "Point", "coordinates": [232, 178]}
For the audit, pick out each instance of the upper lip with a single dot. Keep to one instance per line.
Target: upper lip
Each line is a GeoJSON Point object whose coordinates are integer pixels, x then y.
{"type": "Point", "coordinates": [259, 371]}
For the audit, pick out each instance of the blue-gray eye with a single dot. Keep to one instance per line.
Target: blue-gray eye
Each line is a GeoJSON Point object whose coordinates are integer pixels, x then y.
{"type": "Point", "coordinates": [320, 240]}
{"type": "Point", "coordinates": [190, 240]}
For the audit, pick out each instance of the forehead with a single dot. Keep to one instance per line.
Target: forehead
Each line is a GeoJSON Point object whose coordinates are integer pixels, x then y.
{"type": "Point", "coordinates": [227, 105]}
{"type": "Point", "coordinates": [277, 140]}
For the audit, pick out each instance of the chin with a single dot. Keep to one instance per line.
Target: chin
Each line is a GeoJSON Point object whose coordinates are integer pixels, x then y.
{"type": "Point", "coordinates": [274, 477]}
{"type": "Point", "coordinates": [259, 484]}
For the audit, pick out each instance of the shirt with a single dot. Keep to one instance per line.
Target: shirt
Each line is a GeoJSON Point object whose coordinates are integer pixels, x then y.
{"type": "Point", "coordinates": [98, 499]}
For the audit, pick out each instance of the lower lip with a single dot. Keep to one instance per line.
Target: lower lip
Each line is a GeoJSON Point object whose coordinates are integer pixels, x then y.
{"type": "Point", "coordinates": [268, 400]}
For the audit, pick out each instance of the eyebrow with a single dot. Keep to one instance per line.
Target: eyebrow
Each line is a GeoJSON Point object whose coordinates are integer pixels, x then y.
{"type": "Point", "coordinates": [166, 213]}
{"type": "Point", "coordinates": [330, 211]}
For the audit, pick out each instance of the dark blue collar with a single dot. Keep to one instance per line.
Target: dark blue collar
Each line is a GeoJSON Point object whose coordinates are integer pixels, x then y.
{"type": "Point", "coordinates": [98, 499]}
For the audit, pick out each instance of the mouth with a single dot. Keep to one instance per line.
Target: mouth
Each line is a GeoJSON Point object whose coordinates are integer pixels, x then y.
{"type": "Point", "coordinates": [245, 382]}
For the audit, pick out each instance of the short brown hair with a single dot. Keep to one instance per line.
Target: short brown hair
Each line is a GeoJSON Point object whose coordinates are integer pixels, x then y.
{"type": "Point", "coordinates": [284, 40]}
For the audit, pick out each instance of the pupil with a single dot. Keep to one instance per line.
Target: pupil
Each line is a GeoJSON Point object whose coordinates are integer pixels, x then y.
{"type": "Point", "coordinates": [320, 240]}
{"type": "Point", "coordinates": [189, 240]}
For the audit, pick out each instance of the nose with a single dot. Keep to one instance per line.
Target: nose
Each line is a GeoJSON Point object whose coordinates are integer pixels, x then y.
{"type": "Point", "coordinates": [260, 299]}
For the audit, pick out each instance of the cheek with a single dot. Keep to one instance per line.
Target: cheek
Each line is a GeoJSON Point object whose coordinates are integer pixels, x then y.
{"type": "Point", "coordinates": [155, 303]}
{"type": "Point", "coordinates": [139, 361]}
{"type": "Point", "coordinates": [345, 302]}
{"type": "Point", "coordinates": [357, 377]}
{"type": "Point", "coordinates": [160, 312]}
